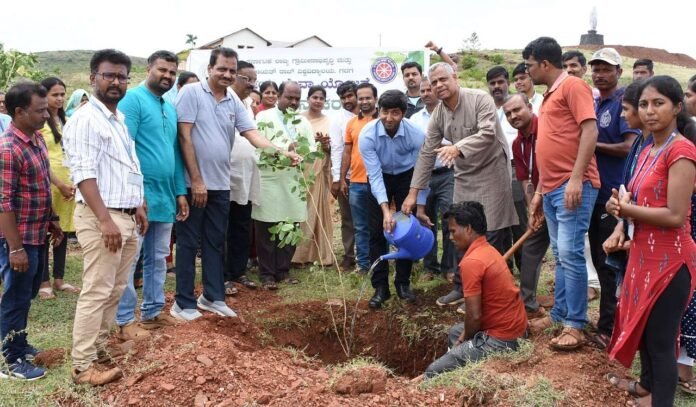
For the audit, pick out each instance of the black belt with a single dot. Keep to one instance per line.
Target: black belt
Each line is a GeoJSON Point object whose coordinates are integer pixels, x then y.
{"type": "Point", "coordinates": [127, 211]}
{"type": "Point", "coordinates": [512, 162]}
{"type": "Point", "coordinates": [441, 170]}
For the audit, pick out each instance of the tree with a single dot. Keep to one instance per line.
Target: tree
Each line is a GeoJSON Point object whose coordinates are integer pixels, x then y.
{"type": "Point", "coordinates": [15, 64]}
{"type": "Point", "coordinates": [472, 44]}
{"type": "Point", "coordinates": [191, 40]}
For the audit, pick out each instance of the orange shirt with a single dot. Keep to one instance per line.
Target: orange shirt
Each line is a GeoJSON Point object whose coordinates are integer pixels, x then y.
{"type": "Point", "coordinates": [485, 273]}
{"type": "Point", "coordinates": [358, 173]}
{"type": "Point", "coordinates": [566, 105]}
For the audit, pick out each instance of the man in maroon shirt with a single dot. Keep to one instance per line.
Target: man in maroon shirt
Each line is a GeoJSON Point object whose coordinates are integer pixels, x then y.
{"type": "Point", "coordinates": [518, 111]}
{"type": "Point", "coordinates": [25, 219]}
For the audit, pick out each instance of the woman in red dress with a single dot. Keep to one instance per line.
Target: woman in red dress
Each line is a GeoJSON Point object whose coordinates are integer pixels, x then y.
{"type": "Point", "coordinates": [661, 271]}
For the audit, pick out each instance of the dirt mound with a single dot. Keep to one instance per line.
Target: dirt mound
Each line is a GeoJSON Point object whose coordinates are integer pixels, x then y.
{"type": "Point", "coordinates": [656, 54]}
{"type": "Point", "coordinates": [50, 358]}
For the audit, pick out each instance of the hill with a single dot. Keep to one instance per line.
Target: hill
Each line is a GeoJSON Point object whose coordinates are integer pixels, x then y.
{"type": "Point", "coordinates": [474, 65]}
{"type": "Point", "coordinates": [73, 67]}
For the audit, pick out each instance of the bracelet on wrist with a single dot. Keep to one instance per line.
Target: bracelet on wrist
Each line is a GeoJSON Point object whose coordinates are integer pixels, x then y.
{"type": "Point", "coordinates": [439, 50]}
{"type": "Point", "coordinates": [538, 193]}
{"type": "Point", "coordinates": [21, 249]}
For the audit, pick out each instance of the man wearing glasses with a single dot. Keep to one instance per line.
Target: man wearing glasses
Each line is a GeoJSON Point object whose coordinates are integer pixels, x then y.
{"type": "Point", "coordinates": [110, 212]}
{"type": "Point", "coordinates": [151, 122]}
{"type": "Point", "coordinates": [244, 190]}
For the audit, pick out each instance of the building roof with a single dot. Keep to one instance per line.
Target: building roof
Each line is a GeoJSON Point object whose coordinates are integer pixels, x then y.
{"type": "Point", "coordinates": [275, 44]}
{"type": "Point", "coordinates": [218, 42]}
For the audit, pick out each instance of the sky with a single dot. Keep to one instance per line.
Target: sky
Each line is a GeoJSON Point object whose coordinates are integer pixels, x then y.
{"type": "Point", "coordinates": [141, 27]}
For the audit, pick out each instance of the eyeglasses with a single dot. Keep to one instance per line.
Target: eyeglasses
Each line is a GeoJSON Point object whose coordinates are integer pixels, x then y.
{"type": "Point", "coordinates": [110, 76]}
{"type": "Point", "coordinates": [246, 78]}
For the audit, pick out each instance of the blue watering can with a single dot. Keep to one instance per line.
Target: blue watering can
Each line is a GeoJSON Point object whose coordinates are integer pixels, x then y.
{"type": "Point", "coordinates": [411, 239]}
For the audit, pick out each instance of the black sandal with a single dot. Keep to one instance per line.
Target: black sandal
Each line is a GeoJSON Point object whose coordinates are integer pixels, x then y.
{"type": "Point", "coordinates": [632, 387]}
{"type": "Point", "coordinates": [230, 289]}
{"type": "Point", "coordinates": [291, 280]}
{"type": "Point", "coordinates": [270, 285]}
{"type": "Point", "coordinates": [246, 282]}
{"type": "Point", "coordinates": [600, 341]}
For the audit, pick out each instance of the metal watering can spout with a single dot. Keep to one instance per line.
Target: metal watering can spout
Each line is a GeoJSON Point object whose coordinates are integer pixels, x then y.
{"type": "Point", "coordinates": [412, 240]}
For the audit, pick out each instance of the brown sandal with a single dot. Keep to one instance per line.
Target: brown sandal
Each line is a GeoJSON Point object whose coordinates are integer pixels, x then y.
{"type": "Point", "coordinates": [631, 387]}
{"type": "Point", "coordinates": [573, 333]}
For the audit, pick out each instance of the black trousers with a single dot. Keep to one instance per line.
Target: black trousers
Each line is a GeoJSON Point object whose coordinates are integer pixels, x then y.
{"type": "Point", "coordinates": [602, 225]}
{"type": "Point", "coordinates": [397, 187]}
{"type": "Point", "coordinates": [658, 361]}
{"type": "Point", "coordinates": [59, 254]}
{"type": "Point", "coordinates": [274, 261]}
{"type": "Point", "coordinates": [238, 240]}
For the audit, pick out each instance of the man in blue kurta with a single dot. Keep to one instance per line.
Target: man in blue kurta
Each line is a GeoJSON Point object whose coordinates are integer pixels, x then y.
{"type": "Point", "coordinates": [152, 124]}
{"type": "Point", "coordinates": [614, 141]}
{"type": "Point", "coordinates": [389, 148]}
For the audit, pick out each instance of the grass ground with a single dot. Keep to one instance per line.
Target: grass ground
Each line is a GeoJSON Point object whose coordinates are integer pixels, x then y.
{"type": "Point", "coordinates": [51, 326]}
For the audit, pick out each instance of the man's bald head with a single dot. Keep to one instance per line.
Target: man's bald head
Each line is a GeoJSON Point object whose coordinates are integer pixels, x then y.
{"type": "Point", "coordinates": [289, 94]}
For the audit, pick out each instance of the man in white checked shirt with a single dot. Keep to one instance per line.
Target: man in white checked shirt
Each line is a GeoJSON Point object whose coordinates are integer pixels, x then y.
{"type": "Point", "coordinates": [110, 212]}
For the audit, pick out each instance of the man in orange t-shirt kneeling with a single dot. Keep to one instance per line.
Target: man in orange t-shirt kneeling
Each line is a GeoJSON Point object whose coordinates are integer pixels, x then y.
{"type": "Point", "coordinates": [495, 316]}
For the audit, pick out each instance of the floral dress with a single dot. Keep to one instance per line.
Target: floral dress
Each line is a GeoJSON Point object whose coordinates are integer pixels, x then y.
{"type": "Point", "coordinates": [656, 253]}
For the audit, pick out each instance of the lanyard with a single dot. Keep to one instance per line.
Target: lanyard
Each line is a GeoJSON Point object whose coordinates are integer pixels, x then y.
{"type": "Point", "coordinates": [531, 155]}
{"type": "Point", "coordinates": [636, 183]}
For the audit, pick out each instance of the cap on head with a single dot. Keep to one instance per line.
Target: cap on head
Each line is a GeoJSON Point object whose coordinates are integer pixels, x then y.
{"type": "Point", "coordinates": [608, 55]}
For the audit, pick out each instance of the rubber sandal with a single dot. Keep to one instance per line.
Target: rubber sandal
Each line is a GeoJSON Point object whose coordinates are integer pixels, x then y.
{"type": "Point", "coordinates": [579, 341]}
{"type": "Point", "coordinates": [246, 282]}
{"type": "Point", "coordinates": [230, 289]}
{"type": "Point", "coordinates": [631, 388]}
{"type": "Point", "coordinates": [687, 386]}
{"type": "Point", "coordinates": [599, 341]}
{"type": "Point", "coordinates": [270, 285]}
{"type": "Point", "coordinates": [67, 288]}
{"type": "Point", "coordinates": [46, 293]}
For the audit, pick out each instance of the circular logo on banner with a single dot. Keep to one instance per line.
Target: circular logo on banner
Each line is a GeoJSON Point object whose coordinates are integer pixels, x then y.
{"type": "Point", "coordinates": [384, 70]}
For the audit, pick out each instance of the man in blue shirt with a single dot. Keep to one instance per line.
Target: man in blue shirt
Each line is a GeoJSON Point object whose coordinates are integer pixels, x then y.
{"type": "Point", "coordinates": [151, 122]}
{"type": "Point", "coordinates": [613, 144]}
{"type": "Point", "coordinates": [389, 148]}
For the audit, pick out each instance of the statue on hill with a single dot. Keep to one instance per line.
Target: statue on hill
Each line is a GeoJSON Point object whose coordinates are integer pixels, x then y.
{"type": "Point", "coordinates": [592, 38]}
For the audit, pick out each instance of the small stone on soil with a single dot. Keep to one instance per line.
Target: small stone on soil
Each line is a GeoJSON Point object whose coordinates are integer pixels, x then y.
{"type": "Point", "coordinates": [205, 360]}
{"type": "Point", "coordinates": [200, 380]}
{"type": "Point", "coordinates": [264, 399]}
{"type": "Point", "coordinates": [167, 386]}
{"type": "Point", "coordinates": [201, 400]}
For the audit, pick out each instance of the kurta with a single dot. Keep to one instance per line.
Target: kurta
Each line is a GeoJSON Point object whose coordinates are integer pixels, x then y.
{"type": "Point", "coordinates": [482, 172]}
{"type": "Point", "coordinates": [656, 253]}
{"type": "Point", "coordinates": [318, 229]}
{"type": "Point", "coordinates": [277, 200]}
{"type": "Point", "coordinates": [64, 209]}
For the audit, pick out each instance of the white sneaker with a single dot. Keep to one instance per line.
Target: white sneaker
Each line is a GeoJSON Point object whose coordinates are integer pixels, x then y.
{"type": "Point", "coordinates": [218, 307]}
{"type": "Point", "coordinates": [184, 314]}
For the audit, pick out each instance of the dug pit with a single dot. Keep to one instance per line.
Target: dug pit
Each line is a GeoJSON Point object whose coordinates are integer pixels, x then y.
{"type": "Point", "coordinates": [406, 338]}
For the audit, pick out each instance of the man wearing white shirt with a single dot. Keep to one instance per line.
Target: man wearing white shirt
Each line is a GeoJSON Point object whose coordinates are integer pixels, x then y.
{"type": "Point", "coordinates": [524, 84]}
{"type": "Point", "coordinates": [349, 101]}
{"type": "Point", "coordinates": [110, 211]}
{"type": "Point", "coordinates": [498, 85]}
{"type": "Point", "coordinates": [244, 190]}
{"type": "Point", "coordinates": [441, 193]}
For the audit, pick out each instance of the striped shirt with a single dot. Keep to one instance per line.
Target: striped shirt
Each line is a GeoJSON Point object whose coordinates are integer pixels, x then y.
{"type": "Point", "coordinates": [98, 146]}
{"type": "Point", "coordinates": [25, 186]}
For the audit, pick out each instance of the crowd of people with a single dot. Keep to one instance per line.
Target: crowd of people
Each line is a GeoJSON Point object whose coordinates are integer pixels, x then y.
{"type": "Point", "coordinates": [603, 175]}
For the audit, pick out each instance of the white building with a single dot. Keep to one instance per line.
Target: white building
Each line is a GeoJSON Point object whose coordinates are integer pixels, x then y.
{"type": "Point", "coordinates": [246, 39]}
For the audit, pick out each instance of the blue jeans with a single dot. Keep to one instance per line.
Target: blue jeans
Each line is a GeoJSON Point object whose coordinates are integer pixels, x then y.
{"type": "Point", "coordinates": [19, 289]}
{"type": "Point", "coordinates": [155, 246]}
{"type": "Point", "coordinates": [567, 233]}
{"type": "Point", "coordinates": [359, 198]}
{"type": "Point", "coordinates": [205, 228]}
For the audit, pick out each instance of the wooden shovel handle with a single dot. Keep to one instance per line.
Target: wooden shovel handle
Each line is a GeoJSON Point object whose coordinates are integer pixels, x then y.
{"type": "Point", "coordinates": [518, 244]}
